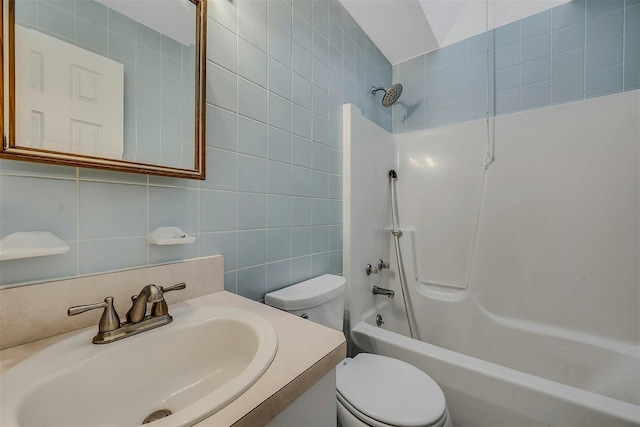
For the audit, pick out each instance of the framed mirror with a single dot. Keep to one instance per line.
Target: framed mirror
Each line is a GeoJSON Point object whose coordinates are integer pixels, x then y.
{"type": "Point", "coordinates": [108, 84]}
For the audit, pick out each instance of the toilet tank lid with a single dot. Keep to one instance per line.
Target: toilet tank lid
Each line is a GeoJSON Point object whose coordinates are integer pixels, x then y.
{"type": "Point", "coordinates": [307, 294]}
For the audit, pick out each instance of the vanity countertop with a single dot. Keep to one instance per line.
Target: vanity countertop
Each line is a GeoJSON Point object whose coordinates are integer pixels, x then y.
{"type": "Point", "coordinates": [306, 352]}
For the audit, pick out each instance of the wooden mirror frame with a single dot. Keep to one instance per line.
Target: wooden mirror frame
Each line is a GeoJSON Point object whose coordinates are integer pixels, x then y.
{"type": "Point", "coordinates": [8, 112]}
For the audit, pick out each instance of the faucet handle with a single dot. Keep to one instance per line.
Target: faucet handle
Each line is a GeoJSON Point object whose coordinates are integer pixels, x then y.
{"type": "Point", "coordinates": [161, 308]}
{"type": "Point", "coordinates": [176, 287]}
{"type": "Point", "coordinates": [108, 322]}
{"type": "Point", "coordinates": [371, 269]}
{"type": "Point", "coordinates": [382, 264]}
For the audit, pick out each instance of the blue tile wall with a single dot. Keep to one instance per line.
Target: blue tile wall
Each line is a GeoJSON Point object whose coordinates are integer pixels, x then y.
{"type": "Point", "coordinates": [578, 50]}
{"type": "Point", "coordinates": [271, 204]}
{"type": "Point", "coordinates": [156, 65]}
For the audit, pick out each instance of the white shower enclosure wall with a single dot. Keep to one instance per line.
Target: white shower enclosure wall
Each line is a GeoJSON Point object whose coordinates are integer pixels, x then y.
{"type": "Point", "coordinates": [523, 272]}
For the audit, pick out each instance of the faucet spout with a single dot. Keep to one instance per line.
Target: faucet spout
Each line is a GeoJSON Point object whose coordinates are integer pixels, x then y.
{"type": "Point", "coordinates": [377, 290]}
{"type": "Point", "coordinates": [148, 294]}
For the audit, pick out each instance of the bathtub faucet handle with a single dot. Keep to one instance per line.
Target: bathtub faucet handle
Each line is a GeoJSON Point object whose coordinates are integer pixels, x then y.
{"type": "Point", "coordinates": [383, 265]}
{"type": "Point", "coordinates": [371, 269]}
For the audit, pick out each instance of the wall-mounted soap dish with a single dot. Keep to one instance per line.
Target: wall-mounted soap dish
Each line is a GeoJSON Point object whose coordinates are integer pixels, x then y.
{"type": "Point", "coordinates": [28, 244]}
{"type": "Point", "coordinates": [169, 236]}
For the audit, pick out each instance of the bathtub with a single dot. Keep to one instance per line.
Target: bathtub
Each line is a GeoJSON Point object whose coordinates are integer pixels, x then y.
{"type": "Point", "coordinates": [480, 393]}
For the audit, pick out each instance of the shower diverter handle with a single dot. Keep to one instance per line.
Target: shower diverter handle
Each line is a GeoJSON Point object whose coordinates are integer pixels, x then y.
{"type": "Point", "coordinates": [371, 269]}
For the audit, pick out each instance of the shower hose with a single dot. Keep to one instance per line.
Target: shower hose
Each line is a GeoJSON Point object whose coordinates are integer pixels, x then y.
{"type": "Point", "coordinates": [396, 233]}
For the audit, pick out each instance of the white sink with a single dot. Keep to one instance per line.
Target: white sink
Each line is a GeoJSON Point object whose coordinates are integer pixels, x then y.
{"type": "Point", "coordinates": [194, 366]}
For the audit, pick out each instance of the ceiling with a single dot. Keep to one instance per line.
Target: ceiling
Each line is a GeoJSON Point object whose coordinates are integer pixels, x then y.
{"type": "Point", "coordinates": [172, 18]}
{"type": "Point", "coordinates": [403, 29]}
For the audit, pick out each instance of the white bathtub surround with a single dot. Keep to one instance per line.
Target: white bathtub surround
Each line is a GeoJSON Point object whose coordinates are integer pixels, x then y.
{"type": "Point", "coordinates": [307, 352]}
{"type": "Point", "coordinates": [367, 159]}
{"type": "Point", "coordinates": [525, 276]}
{"type": "Point", "coordinates": [556, 242]}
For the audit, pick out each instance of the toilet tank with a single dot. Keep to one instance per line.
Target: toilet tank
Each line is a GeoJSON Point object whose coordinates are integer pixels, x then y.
{"type": "Point", "coordinates": [320, 299]}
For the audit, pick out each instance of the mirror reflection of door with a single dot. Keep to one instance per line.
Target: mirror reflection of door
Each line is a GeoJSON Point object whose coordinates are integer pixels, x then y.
{"type": "Point", "coordinates": [108, 83]}
{"type": "Point", "coordinates": [71, 99]}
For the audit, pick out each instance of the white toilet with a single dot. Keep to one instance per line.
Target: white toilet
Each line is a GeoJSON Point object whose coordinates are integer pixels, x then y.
{"type": "Point", "coordinates": [373, 390]}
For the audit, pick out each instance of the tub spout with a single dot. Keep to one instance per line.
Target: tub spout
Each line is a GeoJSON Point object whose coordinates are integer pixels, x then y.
{"type": "Point", "coordinates": [377, 290]}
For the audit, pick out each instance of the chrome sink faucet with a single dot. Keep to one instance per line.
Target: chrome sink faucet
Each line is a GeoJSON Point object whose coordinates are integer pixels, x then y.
{"type": "Point", "coordinates": [110, 327]}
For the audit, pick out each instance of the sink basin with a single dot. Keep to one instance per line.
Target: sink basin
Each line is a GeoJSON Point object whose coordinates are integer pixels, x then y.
{"type": "Point", "coordinates": [194, 366]}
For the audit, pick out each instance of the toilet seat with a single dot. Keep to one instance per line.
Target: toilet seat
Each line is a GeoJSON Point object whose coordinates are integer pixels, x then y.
{"type": "Point", "coordinates": [349, 416]}
{"type": "Point", "coordinates": [382, 391]}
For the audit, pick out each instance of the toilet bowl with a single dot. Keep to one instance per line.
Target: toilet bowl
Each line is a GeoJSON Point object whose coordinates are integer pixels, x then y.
{"type": "Point", "coordinates": [376, 390]}
{"type": "Point", "coordinates": [372, 390]}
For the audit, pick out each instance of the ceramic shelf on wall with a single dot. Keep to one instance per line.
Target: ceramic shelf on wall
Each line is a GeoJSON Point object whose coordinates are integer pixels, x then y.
{"type": "Point", "coordinates": [169, 236]}
{"type": "Point", "coordinates": [28, 244]}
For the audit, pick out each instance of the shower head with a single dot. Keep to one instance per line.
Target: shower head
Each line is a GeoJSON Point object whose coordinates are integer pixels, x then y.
{"type": "Point", "coordinates": [391, 95]}
{"type": "Point", "coordinates": [393, 175]}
